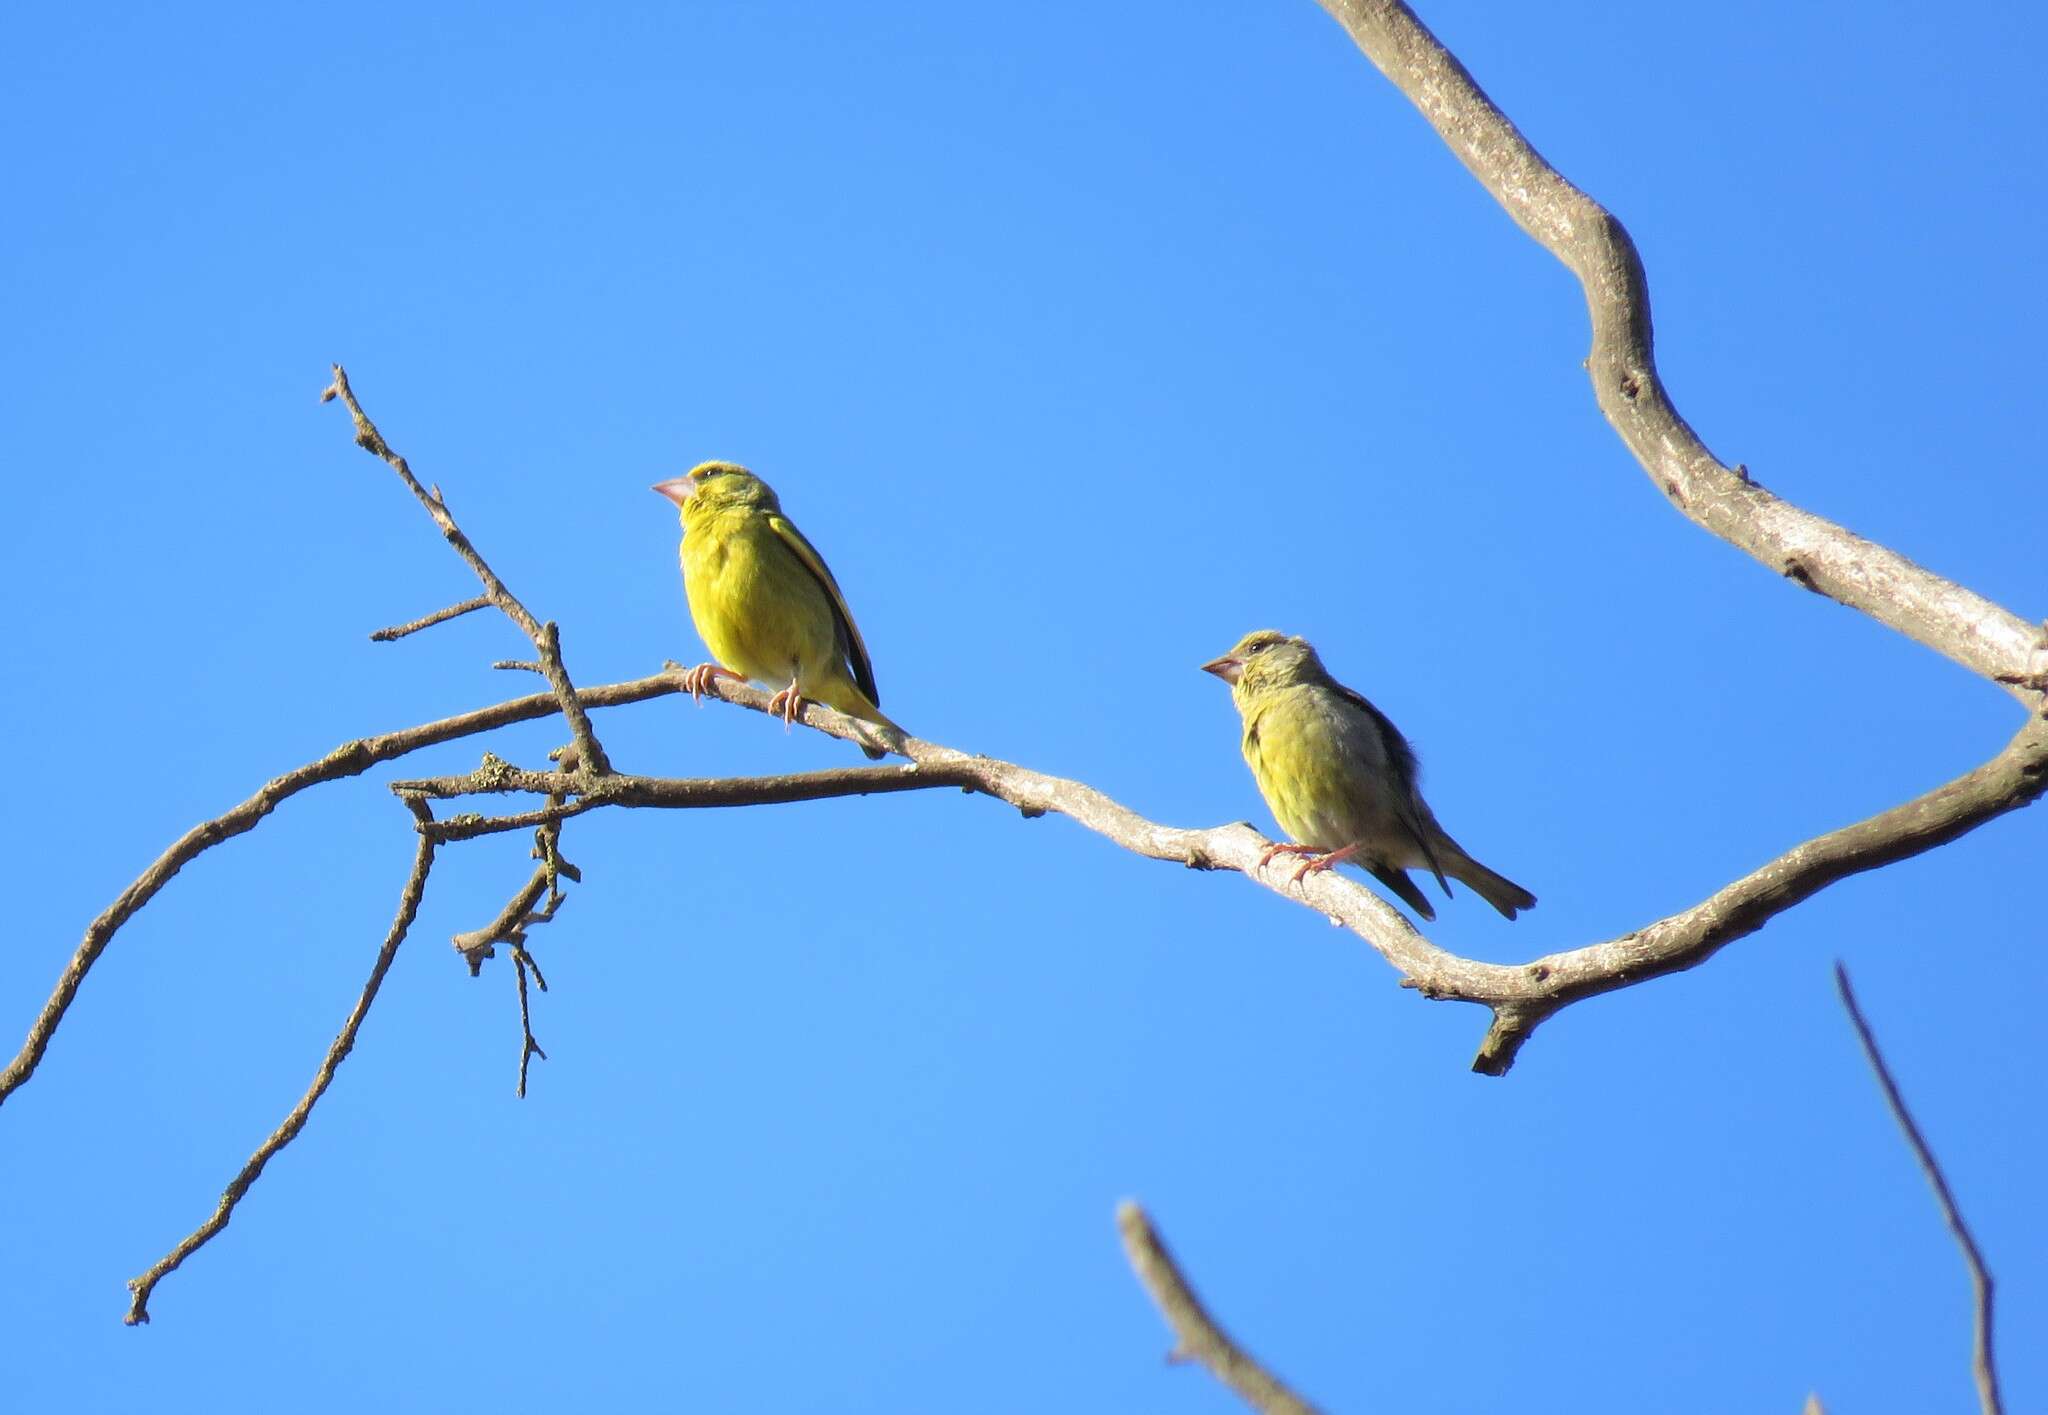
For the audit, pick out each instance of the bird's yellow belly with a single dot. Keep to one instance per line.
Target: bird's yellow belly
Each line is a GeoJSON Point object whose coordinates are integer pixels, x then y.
{"type": "Point", "coordinates": [755, 616]}
{"type": "Point", "coordinates": [1318, 790]}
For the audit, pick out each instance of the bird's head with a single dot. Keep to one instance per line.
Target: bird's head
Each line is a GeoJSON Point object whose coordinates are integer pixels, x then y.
{"type": "Point", "coordinates": [1266, 658]}
{"type": "Point", "coordinates": [716, 486]}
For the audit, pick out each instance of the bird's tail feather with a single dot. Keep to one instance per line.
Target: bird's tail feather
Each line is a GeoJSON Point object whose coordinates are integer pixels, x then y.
{"type": "Point", "coordinates": [849, 699]}
{"type": "Point", "coordinates": [1498, 890]}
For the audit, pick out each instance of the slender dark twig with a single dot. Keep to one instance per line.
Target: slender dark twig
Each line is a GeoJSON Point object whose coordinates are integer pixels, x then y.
{"type": "Point", "coordinates": [439, 616]}
{"type": "Point", "coordinates": [349, 759]}
{"type": "Point", "coordinates": [518, 913]}
{"type": "Point", "coordinates": [408, 909]}
{"type": "Point", "coordinates": [1196, 1335]}
{"type": "Point", "coordinates": [1983, 1363]}
{"type": "Point", "coordinates": [544, 636]}
{"type": "Point", "coordinates": [522, 963]}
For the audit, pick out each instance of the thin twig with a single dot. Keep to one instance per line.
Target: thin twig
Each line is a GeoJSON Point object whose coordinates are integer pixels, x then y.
{"type": "Point", "coordinates": [408, 908]}
{"type": "Point", "coordinates": [439, 616]}
{"type": "Point", "coordinates": [1983, 1365]}
{"type": "Point", "coordinates": [528, 1047]}
{"type": "Point", "coordinates": [518, 913]}
{"type": "Point", "coordinates": [666, 792]}
{"type": "Point", "coordinates": [349, 759]}
{"type": "Point", "coordinates": [544, 636]}
{"type": "Point", "coordinates": [1196, 1335]}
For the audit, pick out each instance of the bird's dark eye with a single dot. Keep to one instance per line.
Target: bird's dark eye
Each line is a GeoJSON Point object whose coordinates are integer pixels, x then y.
{"type": "Point", "coordinates": [1261, 646]}
{"type": "Point", "coordinates": [709, 472]}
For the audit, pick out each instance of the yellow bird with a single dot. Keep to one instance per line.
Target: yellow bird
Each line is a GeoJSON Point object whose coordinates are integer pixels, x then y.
{"type": "Point", "coordinates": [763, 601]}
{"type": "Point", "coordinates": [1340, 778]}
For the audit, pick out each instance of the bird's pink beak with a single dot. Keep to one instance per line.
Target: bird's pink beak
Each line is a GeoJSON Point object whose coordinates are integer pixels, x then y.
{"type": "Point", "coordinates": [679, 490]}
{"type": "Point", "coordinates": [1226, 668]}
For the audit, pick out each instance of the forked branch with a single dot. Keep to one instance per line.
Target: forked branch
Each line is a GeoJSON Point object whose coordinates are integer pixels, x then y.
{"type": "Point", "coordinates": [408, 908]}
{"type": "Point", "coordinates": [349, 759]}
{"type": "Point", "coordinates": [545, 638]}
{"type": "Point", "coordinates": [1810, 550]}
{"type": "Point", "coordinates": [1520, 996]}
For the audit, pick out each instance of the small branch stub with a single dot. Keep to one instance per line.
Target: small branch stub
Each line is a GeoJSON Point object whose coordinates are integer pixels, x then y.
{"type": "Point", "coordinates": [439, 616]}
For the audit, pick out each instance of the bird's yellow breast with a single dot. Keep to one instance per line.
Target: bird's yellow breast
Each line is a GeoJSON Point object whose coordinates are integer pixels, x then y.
{"type": "Point", "coordinates": [1300, 762]}
{"type": "Point", "coordinates": [756, 606]}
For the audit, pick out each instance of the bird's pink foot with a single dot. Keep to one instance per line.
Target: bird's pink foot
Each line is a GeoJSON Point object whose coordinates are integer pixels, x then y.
{"type": "Point", "coordinates": [789, 703]}
{"type": "Point", "coordinates": [1266, 856]}
{"type": "Point", "coordinates": [697, 681]}
{"type": "Point", "coordinates": [1310, 867]}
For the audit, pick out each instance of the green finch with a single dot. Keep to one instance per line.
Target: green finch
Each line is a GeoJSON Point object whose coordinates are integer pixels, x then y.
{"type": "Point", "coordinates": [763, 601]}
{"type": "Point", "coordinates": [1340, 778]}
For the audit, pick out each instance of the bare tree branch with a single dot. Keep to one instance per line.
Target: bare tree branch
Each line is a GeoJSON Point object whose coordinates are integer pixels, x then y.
{"type": "Point", "coordinates": [1523, 997]}
{"type": "Point", "coordinates": [544, 636]}
{"type": "Point", "coordinates": [439, 616]}
{"type": "Point", "coordinates": [1520, 995]}
{"type": "Point", "coordinates": [1589, 240]}
{"type": "Point", "coordinates": [475, 946]}
{"type": "Point", "coordinates": [349, 759]}
{"type": "Point", "coordinates": [519, 915]}
{"type": "Point", "coordinates": [1813, 552]}
{"type": "Point", "coordinates": [664, 792]}
{"type": "Point", "coordinates": [408, 909]}
{"type": "Point", "coordinates": [522, 964]}
{"type": "Point", "coordinates": [1983, 1366]}
{"type": "Point", "coordinates": [1196, 1335]}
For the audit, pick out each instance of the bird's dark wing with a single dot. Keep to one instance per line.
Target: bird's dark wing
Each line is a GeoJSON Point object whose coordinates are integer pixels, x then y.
{"type": "Point", "coordinates": [1407, 773]}
{"type": "Point", "coordinates": [849, 632]}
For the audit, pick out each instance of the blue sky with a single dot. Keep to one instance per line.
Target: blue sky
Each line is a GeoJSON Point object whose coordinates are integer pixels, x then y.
{"type": "Point", "coordinates": [1081, 342]}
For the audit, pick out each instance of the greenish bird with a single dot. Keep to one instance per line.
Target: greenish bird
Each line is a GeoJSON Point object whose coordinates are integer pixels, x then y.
{"type": "Point", "coordinates": [763, 600]}
{"type": "Point", "coordinates": [1340, 778]}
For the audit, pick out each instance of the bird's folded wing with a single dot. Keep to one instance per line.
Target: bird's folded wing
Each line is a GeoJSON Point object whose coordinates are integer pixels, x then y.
{"type": "Point", "coordinates": [1406, 771]}
{"type": "Point", "coordinates": [849, 632]}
